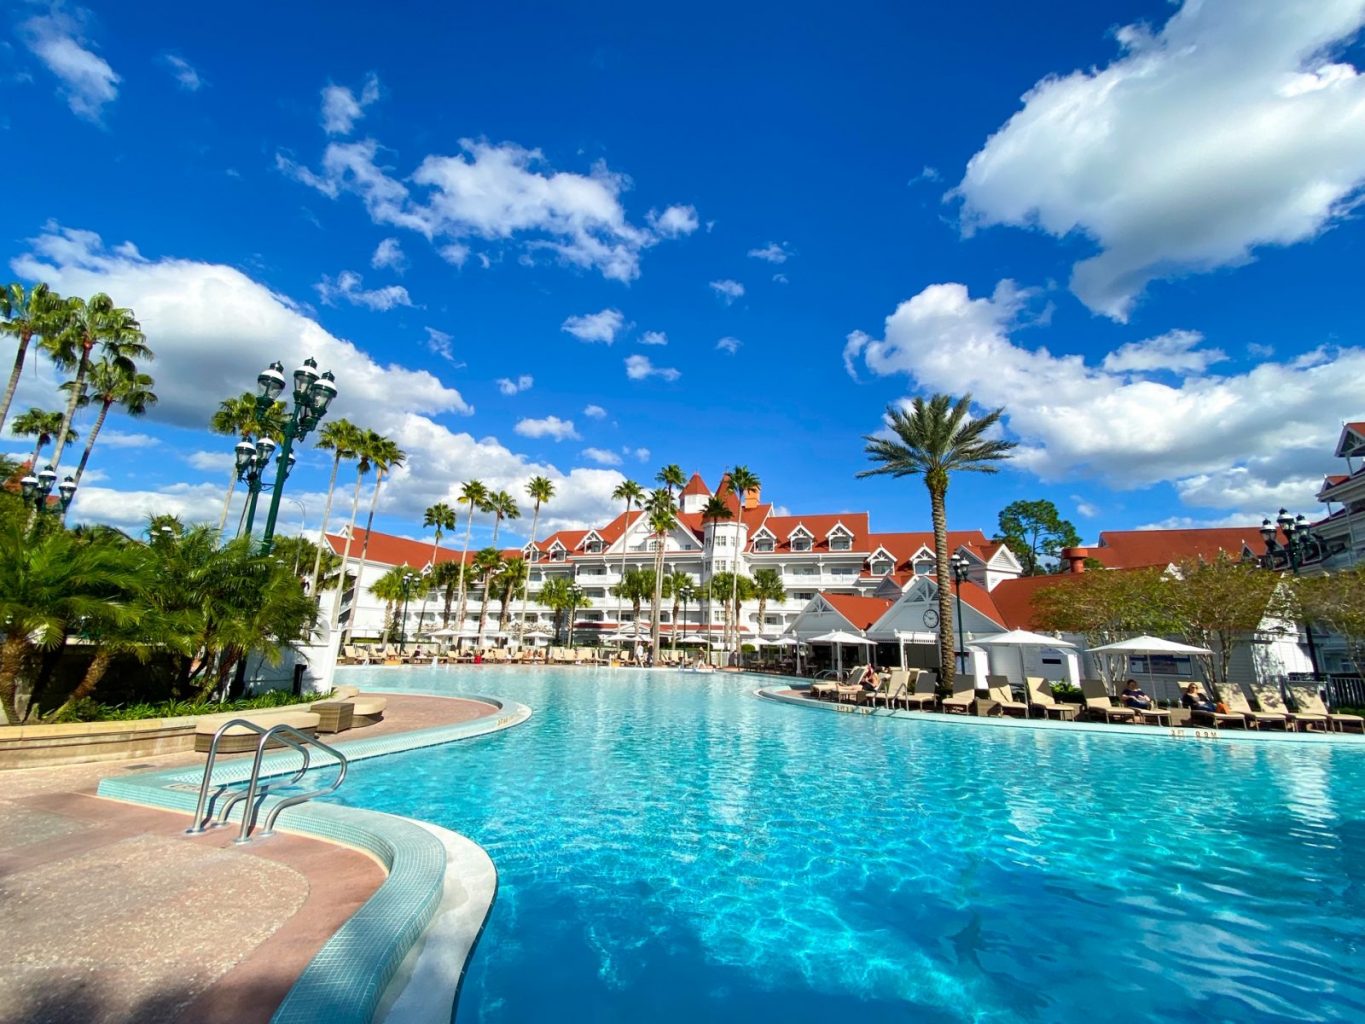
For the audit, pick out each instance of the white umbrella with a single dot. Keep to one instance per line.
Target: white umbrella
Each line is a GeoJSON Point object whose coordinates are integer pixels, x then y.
{"type": "Point", "coordinates": [444, 632]}
{"type": "Point", "coordinates": [1149, 645]}
{"type": "Point", "coordinates": [838, 638]}
{"type": "Point", "coordinates": [1022, 638]}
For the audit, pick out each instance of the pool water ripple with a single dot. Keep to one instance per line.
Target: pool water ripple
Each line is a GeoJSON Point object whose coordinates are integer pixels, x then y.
{"type": "Point", "coordinates": [670, 848]}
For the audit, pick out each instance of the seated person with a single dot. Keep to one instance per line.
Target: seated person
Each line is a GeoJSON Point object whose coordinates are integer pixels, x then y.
{"type": "Point", "coordinates": [1195, 700]}
{"type": "Point", "coordinates": [870, 681]}
{"type": "Point", "coordinates": [417, 653]}
{"type": "Point", "coordinates": [1133, 697]}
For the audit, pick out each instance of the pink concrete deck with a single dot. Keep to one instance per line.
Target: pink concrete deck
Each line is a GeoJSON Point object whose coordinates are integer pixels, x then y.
{"type": "Point", "coordinates": [111, 914]}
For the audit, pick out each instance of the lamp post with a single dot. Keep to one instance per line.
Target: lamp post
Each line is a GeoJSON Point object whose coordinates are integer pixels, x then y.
{"type": "Point", "coordinates": [685, 594]}
{"type": "Point", "coordinates": [1300, 547]}
{"type": "Point", "coordinates": [313, 393]}
{"type": "Point", "coordinates": [575, 598]}
{"type": "Point", "coordinates": [252, 460]}
{"type": "Point", "coordinates": [35, 490]}
{"type": "Point", "coordinates": [958, 565]}
{"type": "Point", "coordinates": [409, 578]}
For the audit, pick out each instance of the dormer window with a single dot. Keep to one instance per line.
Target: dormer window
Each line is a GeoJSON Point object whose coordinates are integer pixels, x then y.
{"type": "Point", "coordinates": [800, 543]}
{"type": "Point", "coordinates": [593, 547]}
{"type": "Point", "coordinates": [558, 552]}
{"type": "Point", "coordinates": [840, 539]}
{"type": "Point", "coordinates": [763, 545]}
{"type": "Point", "coordinates": [881, 566]}
{"type": "Point", "coordinates": [924, 566]}
{"type": "Point", "coordinates": [532, 554]}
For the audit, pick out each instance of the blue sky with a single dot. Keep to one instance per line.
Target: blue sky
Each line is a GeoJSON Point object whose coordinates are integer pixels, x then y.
{"type": "Point", "coordinates": [1130, 224]}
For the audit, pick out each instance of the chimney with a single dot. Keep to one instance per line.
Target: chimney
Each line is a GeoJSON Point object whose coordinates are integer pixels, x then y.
{"type": "Point", "coordinates": [751, 497]}
{"type": "Point", "coordinates": [1075, 558]}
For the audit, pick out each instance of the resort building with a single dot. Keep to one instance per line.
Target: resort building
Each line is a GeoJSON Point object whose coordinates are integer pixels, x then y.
{"type": "Point", "coordinates": [1343, 529]}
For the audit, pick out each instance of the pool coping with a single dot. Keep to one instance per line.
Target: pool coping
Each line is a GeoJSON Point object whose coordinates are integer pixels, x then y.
{"type": "Point", "coordinates": [438, 889]}
{"type": "Point", "coordinates": [1138, 732]}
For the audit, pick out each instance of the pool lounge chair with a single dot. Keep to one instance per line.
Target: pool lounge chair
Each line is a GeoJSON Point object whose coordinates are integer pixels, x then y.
{"type": "Point", "coordinates": [851, 689]}
{"type": "Point", "coordinates": [1002, 692]}
{"type": "Point", "coordinates": [1270, 699]}
{"type": "Point", "coordinates": [894, 687]}
{"type": "Point", "coordinates": [1039, 693]}
{"type": "Point", "coordinates": [964, 696]}
{"type": "Point", "coordinates": [1307, 698]}
{"type": "Point", "coordinates": [925, 694]}
{"type": "Point", "coordinates": [1098, 703]}
{"type": "Point", "coordinates": [1238, 704]}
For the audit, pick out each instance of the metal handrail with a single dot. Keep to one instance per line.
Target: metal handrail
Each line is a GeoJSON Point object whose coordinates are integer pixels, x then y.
{"type": "Point", "coordinates": [282, 733]}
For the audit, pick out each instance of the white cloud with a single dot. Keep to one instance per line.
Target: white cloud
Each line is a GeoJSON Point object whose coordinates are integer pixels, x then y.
{"type": "Point", "coordinates": [640, 367]}
{"type": "Point", "coordinates": [728, 290]}
{"type": "Point", "coordinates": [780, 278]}
{"type": "Point", "coordinates": [1192, 523]}
{"type": "Point", "coordinates": [1174, 350]}
{"type": "Point", "coordinates": [927, 173]}
{"type": "Point", "coordinates": [773, 252]}
{"type": "Point", "coordinates": [1248, 440]}
{"type": "Point", "coordinates": [341, 108]}
{"type": "Point", "coordinates": [550, 426]}
{"type": "Point", "coordinates": [59, 39]}
{"type": "Point", "coordinates": [1259, 351]}
{"type": "Point", "coordinates": [1085, 508]}
{"type": "Point", "coordinates": [456, 254]}
{"type": "Point", "coordinates": [602, 456]}
{"type": "Point", "coordinates": [120, 439]}
{"type": "Point", "coordinates": [595, 412]}
{"type": "Point", "coordinates": [653, 338]}
{"type": "Point", "coordinates": [641, 454]}
{"type": "Point", "coordinates": [183, 72]}
{"type": "Point", "coordinates": [674, 221]}
{"type": "Point", "coordinates": [496, 193]}
{"type": "Point", "coordinates": [348, 286]}
{"type": "Point", "coordinates": [1229, 129]}
{"type": "Point", "coordinates": [210, 462]}
{"type": "Point", "coordinates": [440, 343]}
{"type": "Point", "coordinates": [603, 326]}
{"type": "Point", "coordinates": [730, 345]}
{"type": "Point", "coordinates": [388, 254]}
{"type": "Point", "coordinates": [508, 386]}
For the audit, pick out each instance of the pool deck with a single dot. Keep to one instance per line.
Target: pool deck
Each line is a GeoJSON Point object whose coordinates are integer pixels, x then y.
{"type": "Point", "coordinates": [112, 913]}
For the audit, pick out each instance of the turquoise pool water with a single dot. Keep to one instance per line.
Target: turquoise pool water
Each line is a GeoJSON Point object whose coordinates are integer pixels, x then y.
{"type": "Point", "coordinates": [672, 849]}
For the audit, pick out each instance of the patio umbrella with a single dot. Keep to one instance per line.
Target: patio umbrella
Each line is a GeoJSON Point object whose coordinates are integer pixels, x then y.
{"type": "Point", "coordinates": [839, 638]}
{"type": "Point", "coordinates": [1022, 638]}
{"type": "Point", "coordinates": [1145, 645]}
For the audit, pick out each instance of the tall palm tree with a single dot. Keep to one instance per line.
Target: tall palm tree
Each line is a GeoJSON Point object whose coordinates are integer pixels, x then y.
{"type": "Point", "coordinates": [442, 517]}
{"type": "Point", "coordinates": [935, 439]}
{"type": "Point", "coordinates": [43, 425]}
{"type": "Point", "coordinates": [509, 584]}
{"type": "Point", "coordinates": [22, 315]}
{"type": "Point", "coordinates": [503, 506]}
{"type": "Point", "coordinates": [767, 587]}
{"type": "Point", "coordinates": [236, 417]}
{"type": "Point", "coordinates": [385, 455]}
{"type": "Point", "coordinates": [392, 588]}
{"type": "Point", "coordinates": [112, 382]}
{"type": "Point", "coordinates": [341, 438]}
{"type": "Point", "coordinates": [474, 494]}
{"type": "Point", "coordinates": [715, 510]}
{"type": "Point", "coordinates": [679, 585]}
{"type": "Point", "coordinates": [539, 489]}
{"type": "Point", "coordinates": [632, 494]}
{"type": "Point", "coordinates": [669, 477]}
{"type": "Point", "coordinates": [445, 577]}
{"type": "Point", "coordinates": [487, 564]}
{"type": "Point", "coordinates": [742, 481]}
{"type": "Point", "coordinates": [663, 517]}
{"type": "Point", "coordinates": [87, 323]}
{"type": "Point", "coordinates": [362, 466]}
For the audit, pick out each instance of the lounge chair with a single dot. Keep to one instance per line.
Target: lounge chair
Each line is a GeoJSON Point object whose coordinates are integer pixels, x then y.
{"type": "Point", "coordinates": [893, 688]}
{"type": "Point", "coordinates": [1270, 699]}
{"type": "Point", "coordinates": [239, 739]}
{"type": "Point", "coordinates": [964, 696]}
{"type": "Point", "coordinates": [1217, 719]}
{"type": "Point", "coordinates": [1307, 698]}
{"type": "Point", "coordinates": [1039, 693]}
{"type": "Point", "coordinates": [1003, 694]}
{"type": "Point", "coordinates": [925, 694]}
{"type": "Point", "coordinates": [1238, 704]}
{"type": "Point", "coordinates": [851, 689]}
{"type": "Point", "coordinates": [1098, 703]}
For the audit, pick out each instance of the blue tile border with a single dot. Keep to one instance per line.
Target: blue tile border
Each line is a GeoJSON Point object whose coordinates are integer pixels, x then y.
{"type": "Point", "coordinates": [344, 982]}
{"type": "Point", "coordinates": [1136, 732]}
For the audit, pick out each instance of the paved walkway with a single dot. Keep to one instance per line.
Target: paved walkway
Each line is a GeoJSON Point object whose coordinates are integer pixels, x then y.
{"type": "Point", "coordinates": [111, 913]}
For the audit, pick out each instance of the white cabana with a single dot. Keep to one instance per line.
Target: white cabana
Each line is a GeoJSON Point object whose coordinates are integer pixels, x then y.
{"type": "Point", "coordinates": [839, 639]}
{"type": "Point", "coordinates": [1146, 645]}
{"type": "Point", "coordinates": [1023, 639]}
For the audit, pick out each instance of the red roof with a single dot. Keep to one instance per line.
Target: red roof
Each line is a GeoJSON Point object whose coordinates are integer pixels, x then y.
{"type": "Point", "coordinates": [696, 486]}
{"type": "Point", "coordinates": [386, 549]}
{"type": "Point", "coordinates": [1132, 549]}
{"type": "Point", "coordinates": [861, 612]}
{"type": "Point", "coordinates": [611, 533]}
{"type": "Point", "coordinates": [1014, 598]}
{"type": "Point", "coordinates": [904, 545]}
{"type": "Point", "coordinates": [781, 527]}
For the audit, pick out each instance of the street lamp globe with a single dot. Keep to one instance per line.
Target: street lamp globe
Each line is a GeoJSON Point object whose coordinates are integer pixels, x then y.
{"type": "Point", "coordinates": [264, 449]}
{"type": "Point", "coordinates": [67, 490]}
{"type": "Point", "coordinates": [244, 452]}
{"type": "Point", "coordinates": [321, 393]}
{"type": "Point", "coordinates": [304, 377]}
{"type": "Point", "coordinates": [28, 486]}
{"type": "Point", "coordinates": [1268, 532]}
{"type": "Point", "coordinates": [270, 382]}
{"type": "Point", "coordinates": [46, 479]}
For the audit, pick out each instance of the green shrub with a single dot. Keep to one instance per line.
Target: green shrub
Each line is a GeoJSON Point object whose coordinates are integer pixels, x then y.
{"type": "Point", "coordinates": [90, 710]}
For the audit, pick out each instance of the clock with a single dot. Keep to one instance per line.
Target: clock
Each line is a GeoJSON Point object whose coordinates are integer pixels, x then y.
{"type": "Point", "coordinates": [930, 618]}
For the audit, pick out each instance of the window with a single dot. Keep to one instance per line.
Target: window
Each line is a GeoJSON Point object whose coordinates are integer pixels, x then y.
{"type": "Point", "coordinates": [556, 554]}
{"type": "Point", "coordinates": [1161, 665]}
{"type": "Point", "coordinates": [764, 545]}
{"type": "Point", "coordinates": [840, 543]}
{"type": "Point", "coordinates": [593, 547]}
{"type": "Point", "coordinates": [924, 567]}
{"type": "Point", "coordinates": [800, 543]}
{"type": "Point", "coordinates": [533, 555]}
{"type": "Point", "coordinates": [802, 595]}
{"type": "Point", "coordinates": [881, 567]}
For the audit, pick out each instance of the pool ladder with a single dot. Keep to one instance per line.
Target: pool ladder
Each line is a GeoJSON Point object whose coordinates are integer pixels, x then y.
{"type": "Point", "coordinates": [283, 734]}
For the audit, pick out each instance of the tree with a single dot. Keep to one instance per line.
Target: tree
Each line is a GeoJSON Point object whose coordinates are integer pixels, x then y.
{"type": "Point", "coordinates": [508, 584]}
{"type": "Point", "coordinates": [732, 590]}
{"type": "Point", "coordinates": [539, 489]}
{"type": "Point", "coordinates": [341, 438]}
{"type": "Point", "coordinates": [42, 425]}
{"type": "Point", "coordinates": [236, 417]}
{"type": "Point", "coordinates": [1220, 604]}
{"type": "Point", "coordinates": [393, 588]}
{"type": "Point", "coordinates": [87, 323]}
{"type": "Point", "coordinates": [475, 495]}
{"type": "Point", "coordinates": [714, 511]}
{"type": "Point", "coordinates": [55, 584]}
{"type": "Point", "coordinates": [384, 455]}
{"type": "Point", "coordinates": [555, 595]}
{"type": "Point", "coordinates": [362, 466]}
{"type": "Point", "coordinates": [110, 383]}
{"type": "Point", "coordinates": [299, 553]}
{"type": "Point", "coordinates": [632, 494]}
{"type": "Point", "coordinates": [669, 477]}
{"type": "Point", "coordinates": [503, 506]}
{"type": "Point", "coordinates": [767, 587]}
{"type": "Point", "coordinates": [1034, 530]}
{"type": "Point", "coordinates": [1337, 600]}
{"type": "Point", "coordinates": [441, 517]}
{"type": "Point", "coordinates": [678, 585]}
{"type": "Point", "coordinates": [935, 439]}
{"type": "Point", "coordinates": [446, 577]}
{"type": "Point", "coordinates": [24, 314]}
{"type": "Point", "coordinates": [742, 481]}
{"type": "Point", "coordinates": [487, 564]}
{"type": "Point", "coordinates": [1108, 606]}
{"type": "Point", "coordinates": [637, 587]}
{"type": "Point", "coordinates": [663, 518]}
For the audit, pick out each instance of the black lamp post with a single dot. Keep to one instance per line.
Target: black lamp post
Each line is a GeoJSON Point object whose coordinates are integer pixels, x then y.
{"type": "Point", "coordinates": [35, 490]}
{"type": "Point", "coordinates": [313, 393]}
{"type": "Point", "coordinates": [685, 594]}
{"type": "Point", "coordinates": [958, 566]}
{"type": "Point", "coordinates": [409, 578]}
{"type": "Point", "coordinates": [1300, 547]}
{"type": "Point", "coordinates": [252, 460]}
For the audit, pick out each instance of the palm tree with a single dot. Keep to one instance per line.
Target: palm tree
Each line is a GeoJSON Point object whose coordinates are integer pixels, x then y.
{"type": "Point", "coordinates": [88, 323]}
{"type": "Point", "coordinates": [636, 586]}
{"type": "Point", "coordinates": [384, 455]}
{"type": "Point", "coordinates": [539, 489]}
{"type": "Point", "coordinates": [555, 596]}
{"type": "Point", "coordinates": [446, 577]}
{"type": "Point", "coordinates": [508, 584]}
{"type": "Point", "coordinates": [742, 481]}
{"type": "Point", "coordinates": [487, 564]}
{"type": "Point", "coordinates": [663, 517]}
{"type": "Point", "coordinates": [362, 466]}
{"type": "Point", "coordinates": [442, 517]}
{"type": "Point", "coordinates": [669, 477]}
{"type": "Point", "coordinates": [715, 511]}
{"type": "Point", "coordinates": [236, 417]}
{"type": "Point", "coordinates": [341, 438]}
{"type": "Point", "coordinates": [24, 314]}
{"type": "Point", "coordinates": [42, 425]}
{"type": "Point", "coordinates": [935, 439]}
{"type": "Point", "coordinates": [475, 495]}
{"type": "Point", "coordinates": [112, 382]}
{"type": "Point", "coordinates": [503, 506]}
{"type": "Point", "coordinates": [632, 494]}
{"type": "Point", "coordinates": [679, 585]}
{"type": "Point", "coordinates": [767, 587]}
{"type": "Point", "coordinates": [392, 588]}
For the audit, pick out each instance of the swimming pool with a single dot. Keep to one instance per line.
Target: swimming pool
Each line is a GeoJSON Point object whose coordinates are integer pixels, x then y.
{"type": "Point", "coordinates": [671, 848]}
